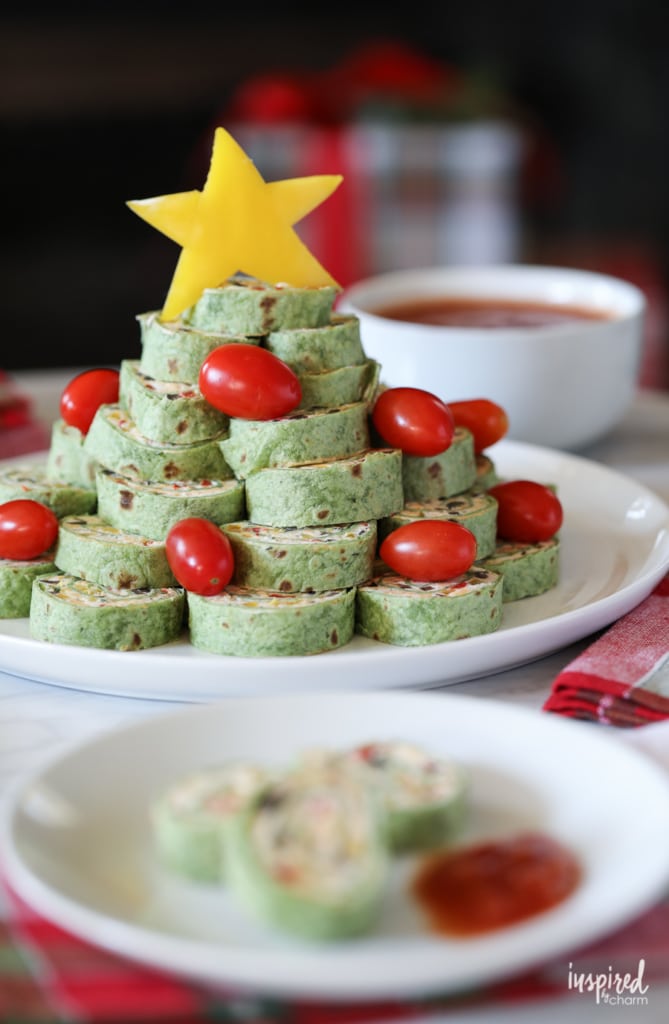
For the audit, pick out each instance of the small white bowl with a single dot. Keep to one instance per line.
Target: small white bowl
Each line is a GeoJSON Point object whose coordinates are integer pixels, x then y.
{"type": "Point", "coordinates": [563, 385]}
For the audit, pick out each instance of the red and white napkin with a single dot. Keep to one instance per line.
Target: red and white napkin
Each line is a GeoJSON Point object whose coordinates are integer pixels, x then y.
{"type": "Point", "coordinates": [622, 679]}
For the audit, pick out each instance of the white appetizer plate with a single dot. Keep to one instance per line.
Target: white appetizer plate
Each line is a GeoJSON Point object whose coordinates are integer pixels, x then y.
{"type": "Point", "coordinates": [77, 841]}
{"type": "Point", "coordinates": [615, 548]}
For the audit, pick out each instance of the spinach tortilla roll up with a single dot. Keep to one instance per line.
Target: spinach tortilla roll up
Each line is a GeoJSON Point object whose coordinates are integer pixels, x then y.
{"type": "Point", "coordinates": [32, 482]}
{"type": "Point", "coordinates": [308, 558]}
{"type": "Point", "coordinates": [152, 507]}
{"type": "Point", "coordinates": [16, 582]}
{"type": "Point", "coordinates": [329, 346]}
{"type": "Point", "coordinates": [396, 610]}
{"type": "Point", "coordinates": [300, 437]}
{"type": "Point", "coordinates": [251, 623]}
{"type": "Point", "coordinates": [423, 796]}
{"type": "Point", "coordinates": [91, 548]}
{"type": "Point", "coordinates": [528, 569]}
{"type": "Point", "coordinates": [187, 819]}
{"type": "Point", "coordinates": [441, 476]}
{"type": "Point", "coordinates": [306, 856]}
{"type": "Point", "coordinates": [477, 512]}
{"type": "Point", "coordinates": [486, 473]}
{"type": "Point", "coordinates": [172, 350]}
{"type": "Point", "coordinates": [168, 411]}
{"type": "Point", "coordinates": [65, 609]}
{"type": "Point", "coordinates": [330, 388]}
{"type": "Point", "coordinates": [67, 461]}
{"type": "Point", "coordinates": [245, 305]}
{"type": "Point", "coordinates": [354, 489]}
{"type": "Point", "coordinates": [114, 441]}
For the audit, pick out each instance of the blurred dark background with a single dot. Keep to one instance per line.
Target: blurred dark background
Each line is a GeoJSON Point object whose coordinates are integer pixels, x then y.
{"type": "Point", "coordinates": [107, 102]}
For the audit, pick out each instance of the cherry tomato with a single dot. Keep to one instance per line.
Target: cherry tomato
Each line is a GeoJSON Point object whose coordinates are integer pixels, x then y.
{"type": "Point", "coordinates": [429, 549]}
{"type": "Point", "coordinates": [487, 421]}
{"type": "Point", "coordinates": [84, 395]}
{"type": "Point", "coordinates": [528, 512]}
{"type": "Point", "coordinates": [249, 382]}
{"type": "Point", "coordinates": [413, 420]}
{"type": "Point", "coordinates": [27, 529]}
{"type": "Point", "coordinates": [200, 556]}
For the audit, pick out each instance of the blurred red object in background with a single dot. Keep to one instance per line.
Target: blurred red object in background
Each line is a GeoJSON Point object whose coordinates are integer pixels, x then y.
{"type": "Point", "coordinates": [386, 73]}
{"type": "Point", "coordinates": [20, 433]}
{"type": "Point", "coordinates": [278, 97]}
{"type": "Point", "coordinates": [381, 73]}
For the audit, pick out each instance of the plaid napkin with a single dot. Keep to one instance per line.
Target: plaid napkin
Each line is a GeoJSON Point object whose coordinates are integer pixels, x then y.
{"type": "Point", "coordinates": [48, 976]}
{"type": "Point", "coordinates": [622, 679]}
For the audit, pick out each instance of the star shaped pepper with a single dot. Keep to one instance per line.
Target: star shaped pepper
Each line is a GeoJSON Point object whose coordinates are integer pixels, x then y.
{"type": "Point", "coordinates": [238, 223]}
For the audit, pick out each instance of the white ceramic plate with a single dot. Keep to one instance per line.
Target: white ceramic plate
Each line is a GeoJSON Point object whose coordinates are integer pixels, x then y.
{"type": "Point", "coordinates": [615, 547]}
{"type": "Point", "coordinates": [77, 842]}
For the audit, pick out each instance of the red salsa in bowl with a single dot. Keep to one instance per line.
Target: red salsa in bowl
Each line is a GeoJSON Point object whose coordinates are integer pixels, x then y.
{"type": "Point", "coordinates": [451, 311]}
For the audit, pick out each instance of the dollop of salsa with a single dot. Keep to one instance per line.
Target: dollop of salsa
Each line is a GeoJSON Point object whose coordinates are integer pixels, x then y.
{"type": "Point", "coordinates": [448, 311]}
{"type": "Point", "coordinates": [479, 888]}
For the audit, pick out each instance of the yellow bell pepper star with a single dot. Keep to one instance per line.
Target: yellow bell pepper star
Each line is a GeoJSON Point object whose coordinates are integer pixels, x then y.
{"type": "Point", "coordinates": [175, 214]}
{"type": "Point", "coordinates": [238, 223]}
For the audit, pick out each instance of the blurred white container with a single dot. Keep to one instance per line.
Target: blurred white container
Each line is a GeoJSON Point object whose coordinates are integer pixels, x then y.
{"type": "Point", "coordinates": [438, 193]}
{"type": "Point", "coordinates": [562, 385]}
{"type": "Point", "coordinates": [480, 218]}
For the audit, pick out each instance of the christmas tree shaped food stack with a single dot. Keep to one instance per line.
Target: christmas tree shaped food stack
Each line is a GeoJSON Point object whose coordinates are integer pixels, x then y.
{"type": "Point", "coordinates": [303, 496]}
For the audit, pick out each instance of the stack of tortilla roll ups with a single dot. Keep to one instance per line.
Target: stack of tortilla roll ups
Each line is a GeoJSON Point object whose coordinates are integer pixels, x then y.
{"type": "Point", "coordinates": [305, 500]}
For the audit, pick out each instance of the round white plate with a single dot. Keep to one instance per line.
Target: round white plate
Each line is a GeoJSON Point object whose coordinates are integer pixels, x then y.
{"type": "Point", "coordinates": [615, 547]}
{"type": "Point", "coordinates": [77, 841]}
